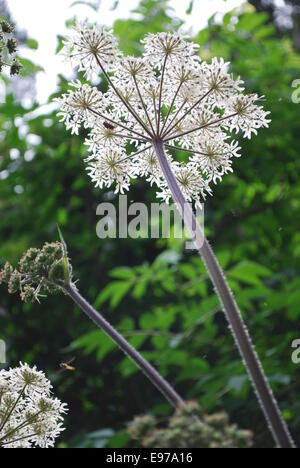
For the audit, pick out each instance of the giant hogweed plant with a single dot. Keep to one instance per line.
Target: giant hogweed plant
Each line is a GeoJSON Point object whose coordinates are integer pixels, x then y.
{"type": "Point", "coordinates": [29, 417]}
{"type": "Point", "coordinates": [168, 99]}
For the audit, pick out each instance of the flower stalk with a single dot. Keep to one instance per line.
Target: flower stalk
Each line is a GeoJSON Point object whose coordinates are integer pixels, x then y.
{"type": "Point", "coordinates": [150, 372]}
{"type": "Point", "coordinates": [238, 327]}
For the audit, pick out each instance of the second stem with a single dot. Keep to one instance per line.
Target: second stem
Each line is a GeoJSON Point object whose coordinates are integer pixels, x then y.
{"type": "Point", "coordinates": [153, 375]}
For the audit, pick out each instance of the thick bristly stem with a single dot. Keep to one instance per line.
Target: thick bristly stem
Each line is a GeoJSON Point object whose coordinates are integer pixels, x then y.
{"type": "Point", "coordinates": [262, 388]}
{"type": "Point", "coordinates": [156, 379]}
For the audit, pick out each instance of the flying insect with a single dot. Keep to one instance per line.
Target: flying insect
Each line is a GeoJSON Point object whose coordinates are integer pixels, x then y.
{"type": "Point", "coordinates": [66, 366]}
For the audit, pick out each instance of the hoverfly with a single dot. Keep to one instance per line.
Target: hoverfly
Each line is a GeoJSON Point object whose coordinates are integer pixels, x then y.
{"type": "Point", "coordinates": [108, 126]}
{"type": "Point", "coordinates": [66, 366]}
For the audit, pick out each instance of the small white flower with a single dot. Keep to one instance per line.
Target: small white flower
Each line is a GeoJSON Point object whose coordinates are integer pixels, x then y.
{"type": "Point", "coordinates": [29, 380]}
{"type": "Point", "coordinates": [191, 183]}
{"type": "Point", "coordinates": [89, 46]}
{"type": "Point", "coordinates": [203, 120]}
{"type": "Point", "coordinates": [129, 69]}
{"type": "Point", "coordinates": [219, 83]}
{"type": "Point", "coordinates": [163, 45]}
{"type": "Point", "coordinates": [112, 166]}
{"type": "Point", "coordinates": [29, 416]}
{"type": "Point", "coordinates": [193, 186]}
{"type": "Point", "coordinates": [77, 107]}
{"type": "Point", "coordinates": [104, 136]}
{"type": "Point", "coordinates": [247, 116]}
{"type": "Point", "coordinates": [130, 96]}
{"type": "Point", "coordinates": [148, 166]}
{"type": "Point", "coordinates": [214, 157]}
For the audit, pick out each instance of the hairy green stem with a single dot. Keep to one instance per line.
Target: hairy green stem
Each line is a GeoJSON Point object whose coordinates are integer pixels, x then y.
{"type": "Point", "coordinates": [238, 327]}
{"type": "Point", "coordinates": [156, 379]}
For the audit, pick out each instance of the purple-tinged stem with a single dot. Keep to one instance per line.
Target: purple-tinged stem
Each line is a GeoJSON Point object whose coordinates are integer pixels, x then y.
{"type": "Point", "coordinates": [238, 327]}
{"type": "Point", "coordinates": [155, 378]}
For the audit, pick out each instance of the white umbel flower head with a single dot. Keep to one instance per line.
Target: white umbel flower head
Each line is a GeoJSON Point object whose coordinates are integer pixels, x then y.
{"type": "Point", "coordinates": [162, 46]}
{"type": "Point", "coordinates": [191, 183]}
{"type": "Point", "coordinates": [168, 96]}
{"type": "Point", "coordinates": [214, 157]}
{"type": "Point", "coordinates": [29, 380]}
{"type": "Point", "coordinates": [88, 46]}
{"type": "Point", "coordinates": [78, 105]}
{"type": "Point", "coordinates": [112, 167]}
{"type": "Point", "coordinates": [29, 416]}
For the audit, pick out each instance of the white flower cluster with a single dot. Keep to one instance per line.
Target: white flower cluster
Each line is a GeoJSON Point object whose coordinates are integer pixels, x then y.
{"type": "Point", "coordinates": [167, 95]}
{"type": "Point", "coordinates": [29, 416]}
{"type": "Point", "coordinates": [90, 45]}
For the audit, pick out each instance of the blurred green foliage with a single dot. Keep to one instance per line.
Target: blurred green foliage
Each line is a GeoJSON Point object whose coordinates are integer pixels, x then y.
{"type": "Point", "coordinates": [156, 293]}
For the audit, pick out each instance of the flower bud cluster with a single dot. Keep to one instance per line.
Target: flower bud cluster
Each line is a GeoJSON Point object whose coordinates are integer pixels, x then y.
{"type": "Point", "coordinates": [40, 272]}
{"type": "Point", "coordinates": [189, 427]}
{"type": "Point", "coordinates": [8, 49]}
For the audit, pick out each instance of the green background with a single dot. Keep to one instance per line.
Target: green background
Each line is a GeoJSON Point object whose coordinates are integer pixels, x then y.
{"type": "Point", "coordinates": [157, 294]}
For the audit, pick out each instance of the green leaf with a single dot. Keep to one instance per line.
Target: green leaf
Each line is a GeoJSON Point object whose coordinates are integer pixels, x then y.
{"type": "Point", "coordinates": [89, 341]}
{"type": "Point", "coordinates": [195, 369]}
{"type": "Point", "coordinates": [122, 273]}
{"type": "Point", "coordinates": [251, 21]}
{"type": "Point", "coordinates": [237, 383]}
{"type": "Point", "coordinates": [32, 44]}
{"type": "Point", "coordinates": [67, 268]}
{"type": "Point", "coordinates": [115, 291]}
{"type": "Point", "coordinates": [190, 7]}
{"type": "Point", "coordinates": [119, 440]}
{"type": "Point", "coordinates": [188, 271]}
{"type": "Point", "coordinates": [249, 273]}
{"type": "Point", "coordinates": [60, 44]}
{"type": "Point", "coordinates": [140, 289]}
{"type": "Point", "coordinates": [29, 68]}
